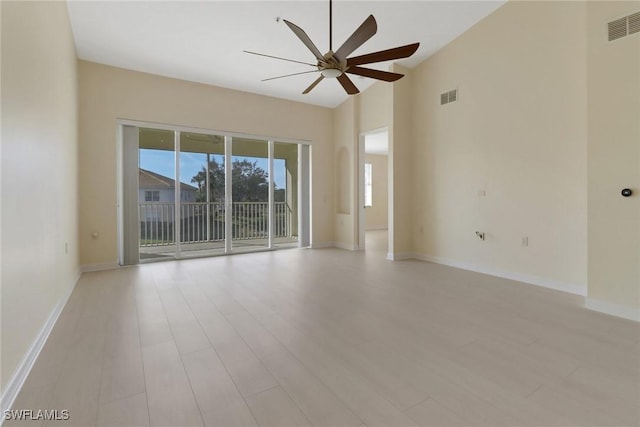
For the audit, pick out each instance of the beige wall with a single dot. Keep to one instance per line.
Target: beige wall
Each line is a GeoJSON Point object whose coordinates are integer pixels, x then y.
{"type": "Point", "coordinates": [517, 132]}
{"type": "Point", "coordinates": [108, 93]}
{"type": "Point", "coordinates": [375, 107]}
{"type": "Point", "coordinates": [401, 146]}
{"type": "Point", "coordinates": [509, 158]}
{"type": "Point", "coordinates": [370, 110]}
{"type": "Point", "coordinates": [344, 140]}
{"type": "Point", "coordinates": [382, 105]}
{"type": "Point", "coordinates": [39, 172]}
{"type": "Point", "coordinates": [614, 162]}
{"type": "Point", "coordinates": [376, 216]}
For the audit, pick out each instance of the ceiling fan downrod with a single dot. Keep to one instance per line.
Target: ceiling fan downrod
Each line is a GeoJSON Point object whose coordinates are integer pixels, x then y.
{"type": "Point", "coordinates": [331, 25]}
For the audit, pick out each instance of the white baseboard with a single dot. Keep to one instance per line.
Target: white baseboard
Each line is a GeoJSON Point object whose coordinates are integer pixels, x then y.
{"type": "Point", "coordinates": [399, 256]}
{"type": "Point", "coordinates": [346, 246]}
{"type": "Point", "coordinates": [571, 288]}
{"type": "Point", "coordinates": [322, 245]}
{"type": "Point", "coordinates": [613, 309]}
{"type": "Point", "coordinates": [18, 378]}
{"type": "Point", "coordinates": [88, 268]}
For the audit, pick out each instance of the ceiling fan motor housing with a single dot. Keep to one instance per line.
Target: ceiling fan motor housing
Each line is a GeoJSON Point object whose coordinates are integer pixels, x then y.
{"type": "Point", "coordinates": [331, 67]}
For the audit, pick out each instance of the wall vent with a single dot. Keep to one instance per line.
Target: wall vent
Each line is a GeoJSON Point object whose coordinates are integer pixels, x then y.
{"type": "Point", "coordinates": [634, 23]}
{"type": "Point", "coordinates": [617, 29]}
{"type": "Point", "coordinates": [624, 26]}
{"type": "Point", "coordinates": [450, 96]}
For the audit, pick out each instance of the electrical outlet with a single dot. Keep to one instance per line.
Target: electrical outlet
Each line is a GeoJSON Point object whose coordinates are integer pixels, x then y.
{"type": "Point", "coordinates": [525, 241]}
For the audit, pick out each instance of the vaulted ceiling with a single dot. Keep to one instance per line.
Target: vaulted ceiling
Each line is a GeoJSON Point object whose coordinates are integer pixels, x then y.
{"type": "Point", "coordinates": [204, 41]}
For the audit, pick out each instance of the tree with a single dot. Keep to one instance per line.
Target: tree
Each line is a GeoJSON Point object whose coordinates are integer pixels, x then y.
{"type": "Point", "coordinates": [216, 182]}
{"type": "Point", "coordinates": [250, 182]}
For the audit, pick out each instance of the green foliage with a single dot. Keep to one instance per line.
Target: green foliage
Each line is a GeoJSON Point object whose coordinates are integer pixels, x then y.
{"type": "Point", "coordinates": [250, 182]}
{"type": "Point", "coordinates": [216, 182]}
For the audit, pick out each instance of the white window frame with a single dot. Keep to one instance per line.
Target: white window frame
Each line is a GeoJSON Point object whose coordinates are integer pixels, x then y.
{"type": "Point", "coordinates": [151, 195]}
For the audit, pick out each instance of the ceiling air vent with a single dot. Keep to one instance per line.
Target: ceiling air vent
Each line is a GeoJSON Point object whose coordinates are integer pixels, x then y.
{"type": "Point", "coordinates": [450, 96]}
{"type": "Point", "coordinates": [624, 26]}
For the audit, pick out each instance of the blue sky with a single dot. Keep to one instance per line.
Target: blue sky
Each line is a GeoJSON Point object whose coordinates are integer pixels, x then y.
{"type": "Point", "coordinates": [162, 162]}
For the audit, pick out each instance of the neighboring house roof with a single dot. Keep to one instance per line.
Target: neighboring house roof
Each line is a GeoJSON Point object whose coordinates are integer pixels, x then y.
{"type": "Point", "coordinates": [155, 181]}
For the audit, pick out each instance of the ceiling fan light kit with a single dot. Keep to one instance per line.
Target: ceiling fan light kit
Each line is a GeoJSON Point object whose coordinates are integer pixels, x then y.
{"type": "Point", "coordinates": [331, 73]}
{"type": "Point", "coordinates": [338, 64]}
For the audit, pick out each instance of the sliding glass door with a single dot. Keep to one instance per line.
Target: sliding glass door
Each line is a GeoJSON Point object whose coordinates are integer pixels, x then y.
{"type": "Point", "coordinates": [156, 194]}
{"type": "Point", "coordinates": [198, 194]}
{"type": "Point", "coordinates": [202, 194]}
{"type": "Point", "coordinates": [250, 178]}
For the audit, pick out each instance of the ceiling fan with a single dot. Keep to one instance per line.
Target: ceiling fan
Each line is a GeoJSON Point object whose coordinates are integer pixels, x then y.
{"type": "Point", "coordinates": [338, 64]}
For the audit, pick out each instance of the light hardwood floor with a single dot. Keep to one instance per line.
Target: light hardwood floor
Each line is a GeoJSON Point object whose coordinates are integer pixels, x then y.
{"type": "Point", "coordinates": [331, 338]}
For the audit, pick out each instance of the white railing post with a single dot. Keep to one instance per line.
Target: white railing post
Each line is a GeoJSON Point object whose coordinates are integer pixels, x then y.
{"type": "Point", "coordinates": [208, 191]}
{"type": "Point", "coordinates": [177, 217]}
{"type": "Point", "coordinates": [270, 207]}
{"type": "Point", "coordinates": [228, 168]}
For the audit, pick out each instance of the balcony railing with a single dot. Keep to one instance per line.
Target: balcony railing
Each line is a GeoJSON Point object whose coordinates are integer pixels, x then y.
{"type": "Point", "coordinates": [205, 222]}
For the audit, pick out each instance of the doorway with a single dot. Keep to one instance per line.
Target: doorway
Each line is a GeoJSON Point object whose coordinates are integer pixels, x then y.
{"type": "Point", "coordinates": [233, 193]}
{"type": "Point", "coordinates": [374, 186]}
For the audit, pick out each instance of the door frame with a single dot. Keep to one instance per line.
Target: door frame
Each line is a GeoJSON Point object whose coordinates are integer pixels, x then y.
{"type": "Point", "coordinates": [303, 203]}
{"type": "Point", "coordinates": [361, 244]}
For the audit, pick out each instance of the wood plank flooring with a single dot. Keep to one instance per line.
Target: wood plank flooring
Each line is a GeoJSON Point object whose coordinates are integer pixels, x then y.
{"type": "Point", "coordinates": [330, 338]}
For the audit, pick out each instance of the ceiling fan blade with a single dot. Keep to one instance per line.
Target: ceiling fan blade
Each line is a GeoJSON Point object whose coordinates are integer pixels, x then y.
{"type": "Point", "coordinates": [314, 84]}
{"type": "Point", "coordinates": [305, 39]}
{"type": "Point", "coordinates": [289, 75]}
{"type": "Point", "coordinates": [384, 55]}
{"type": "Point", "coordinates": [375, 74]}
{"type": "Point", "coordinates": [277, 57]}
{"type": "Point", "coordinates": [364, 32]}
{"type": "Point", "coordinates": [348, 85]}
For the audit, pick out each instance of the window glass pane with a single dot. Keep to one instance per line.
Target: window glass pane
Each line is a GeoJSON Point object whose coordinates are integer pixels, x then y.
{"type": "Point", "coordinates": [202, 191]}
{"type": "Point", "coordinates": [152, 196]}
{"type": "Point", "coordinates": [156, 193]}
{"type": "Point", "coordinates": [250, 194]}
{"type": "Point", "coordinates": [368, 191]}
